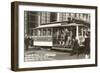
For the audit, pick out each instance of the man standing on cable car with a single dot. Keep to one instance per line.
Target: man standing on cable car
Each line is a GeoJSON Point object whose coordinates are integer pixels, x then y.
{"type": "Point", "coordinates": [66, 36]}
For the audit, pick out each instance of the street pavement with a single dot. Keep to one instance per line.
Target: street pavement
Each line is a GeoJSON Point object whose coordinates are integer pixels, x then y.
{"type": "Point", "coordinates": [48, 55]}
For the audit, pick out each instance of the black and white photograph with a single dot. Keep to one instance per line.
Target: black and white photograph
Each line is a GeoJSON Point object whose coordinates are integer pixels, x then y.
{"type": "Point", "coordinates": [56, 36]}
{"type": "Point", "coordinates": [52, 36]}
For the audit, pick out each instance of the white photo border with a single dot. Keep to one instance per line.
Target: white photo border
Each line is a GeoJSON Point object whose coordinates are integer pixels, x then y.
{"type": "Point", "coordinates": [35, 64]}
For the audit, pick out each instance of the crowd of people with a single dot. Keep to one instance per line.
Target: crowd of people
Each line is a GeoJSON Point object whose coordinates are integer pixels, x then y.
{"type": "Point", "coordinates": [68, 38]}
{"type": "Point", "coordinates": [85, 48]}
{"type": "Point", "coordinates": [64, 37]}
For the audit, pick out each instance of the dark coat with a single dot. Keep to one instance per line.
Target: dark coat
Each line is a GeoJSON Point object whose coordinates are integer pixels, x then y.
{"type": "Point", "coordinates": [75, 46]}
{"type": "Point", "coordinates": [27, 43]}
{"type": "Point", "coordinates": [87, 45]}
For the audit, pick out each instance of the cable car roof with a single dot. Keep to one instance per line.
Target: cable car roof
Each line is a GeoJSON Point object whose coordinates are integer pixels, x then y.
{"type": "Point", "coordinates": [59, 25]}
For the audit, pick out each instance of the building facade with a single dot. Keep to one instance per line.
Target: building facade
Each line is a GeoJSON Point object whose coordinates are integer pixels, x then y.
{"type": "Point", "coordinates": [35, 19]}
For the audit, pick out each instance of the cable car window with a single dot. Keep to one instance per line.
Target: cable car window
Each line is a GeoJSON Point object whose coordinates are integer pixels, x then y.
{"type": "Point", "coordinates": [49, 32]}
{"type": "Point", "coordinates": [44, 32]}
{"type": "Point", "coordinates": [80, 31]}
{"type": "Point", "coordinates": [41, 32]}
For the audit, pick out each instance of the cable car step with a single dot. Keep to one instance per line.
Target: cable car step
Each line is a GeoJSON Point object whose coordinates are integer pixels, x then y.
{"type": "Point", "coordinates": [62, 49]}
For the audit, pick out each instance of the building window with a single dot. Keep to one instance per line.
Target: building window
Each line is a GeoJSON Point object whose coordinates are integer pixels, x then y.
{"type": "Point", "coordinates": [31, 21]}
{"type": "Point", "coordinates": [53, 16]}
{"type": "Point", "coordinates": [44, 17]}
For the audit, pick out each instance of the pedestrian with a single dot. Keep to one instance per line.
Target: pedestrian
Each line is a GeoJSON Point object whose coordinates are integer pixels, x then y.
{"type": "Point", "coordinates": [87, 44]}
{"type": "Point", "coordinates": [26, 42]}
{"type": "Point", "coordinates": [75, 46]}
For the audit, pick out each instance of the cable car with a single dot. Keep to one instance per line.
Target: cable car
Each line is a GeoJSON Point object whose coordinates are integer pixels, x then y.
{"type": "Point", "coordinates": [58, 35]}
